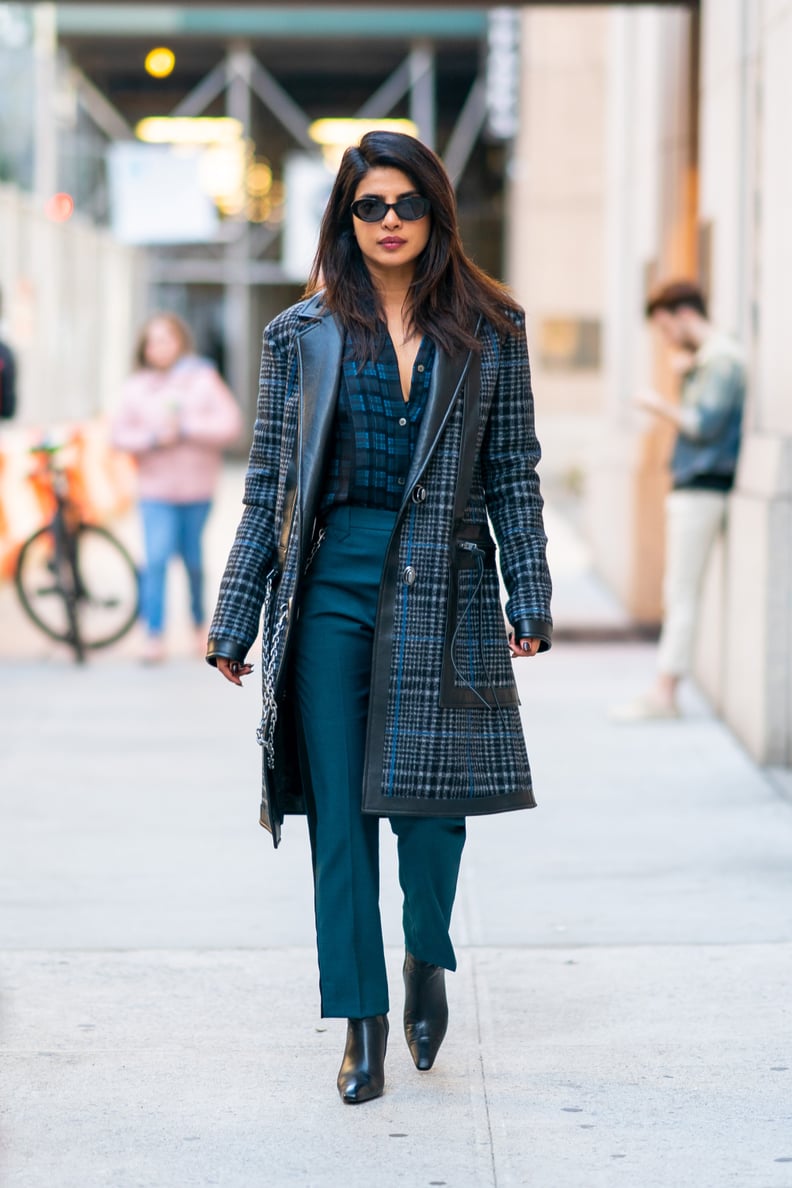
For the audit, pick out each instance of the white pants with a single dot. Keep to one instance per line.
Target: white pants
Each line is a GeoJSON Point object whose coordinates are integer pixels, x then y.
{"type": "Point", "coordinates": [693, 521]}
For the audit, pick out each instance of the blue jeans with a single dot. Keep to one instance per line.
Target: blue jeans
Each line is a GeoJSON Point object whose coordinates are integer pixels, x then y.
{"type": "Point", "coordinates": [171, 529]}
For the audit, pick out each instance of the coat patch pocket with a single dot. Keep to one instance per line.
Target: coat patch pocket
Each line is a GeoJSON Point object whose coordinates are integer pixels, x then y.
{"type": "Point", "coordinates": [477, 667]}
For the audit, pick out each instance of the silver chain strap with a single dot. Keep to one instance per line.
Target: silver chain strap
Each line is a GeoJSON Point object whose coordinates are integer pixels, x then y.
{"type": "Point", "coordinates": [269, 655]}
{"type": "Point", "coordinates": [269, 658]}
{"type": "Point", "coordinates": [321, 534]}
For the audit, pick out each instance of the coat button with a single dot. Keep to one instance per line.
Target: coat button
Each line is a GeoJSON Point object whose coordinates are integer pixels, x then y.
{"type": "Point", "coordinates": [409, 576]}
{"type": "Point", "coordinates": [419, 494]}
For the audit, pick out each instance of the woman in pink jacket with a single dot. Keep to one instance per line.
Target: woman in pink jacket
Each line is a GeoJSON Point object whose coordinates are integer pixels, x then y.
{"type": "Point", "coordinates": [176, 417]}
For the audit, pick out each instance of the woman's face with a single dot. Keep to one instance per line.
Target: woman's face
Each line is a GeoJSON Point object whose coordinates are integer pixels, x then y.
{"type": "Point", "coordinates": [163, 345]}
{"type": "Point", "coordinates": [391, 244]}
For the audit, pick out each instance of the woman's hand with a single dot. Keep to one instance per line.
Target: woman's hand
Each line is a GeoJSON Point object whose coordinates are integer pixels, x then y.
{"type": "Point", "coordinates": [170, 430]}
{"type": "Point", "coordinates": [652, 402]}
{"type": "Point", "coordinates": [526, 647]}
{"type": "Point", "coordinates": [233, 670]}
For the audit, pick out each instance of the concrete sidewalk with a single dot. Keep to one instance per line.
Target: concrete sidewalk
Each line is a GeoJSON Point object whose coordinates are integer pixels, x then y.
{"type": "Point", "coordinates": [621, 1014]}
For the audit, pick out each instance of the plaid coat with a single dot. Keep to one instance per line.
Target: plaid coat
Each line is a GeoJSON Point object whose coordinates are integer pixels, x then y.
{"type": "Point", "coordinates": [444, 734]}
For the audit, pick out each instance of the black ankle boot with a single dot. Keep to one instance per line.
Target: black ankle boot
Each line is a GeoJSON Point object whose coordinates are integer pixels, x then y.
{"type": "Point", "coordinates": [425, 1010]}
{"type": "Point", "coordinates": [362, 1073]}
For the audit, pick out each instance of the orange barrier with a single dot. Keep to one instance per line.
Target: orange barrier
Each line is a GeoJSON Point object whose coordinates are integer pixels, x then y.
{"type": "Point", "coordinates": [101, 481]}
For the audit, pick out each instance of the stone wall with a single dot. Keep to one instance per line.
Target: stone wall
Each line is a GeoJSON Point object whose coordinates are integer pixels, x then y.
{"type": "Point", "coordinates": [745, 662]}
{"type": "Point", "coordinates": [655, 145]}
{"type": "Point", "coordinates": [72, 300]}
{"type": "Point", "coordinates": [555, 249]}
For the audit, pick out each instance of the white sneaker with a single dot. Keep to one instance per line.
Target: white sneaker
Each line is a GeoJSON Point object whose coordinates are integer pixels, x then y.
{"type": "Point", "coordinates": [153, 650]}
{"type": "Point", "coordinates": [644, 709]}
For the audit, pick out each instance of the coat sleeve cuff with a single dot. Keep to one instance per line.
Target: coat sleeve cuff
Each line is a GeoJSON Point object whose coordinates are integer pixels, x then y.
{"type": "Point", "coordinates": [227, 649]}
{"type": "Point", "coordinates": [534, 629]}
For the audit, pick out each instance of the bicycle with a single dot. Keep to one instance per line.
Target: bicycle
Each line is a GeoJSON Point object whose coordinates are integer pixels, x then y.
{"type": "Point", "coordinates": [74, 579]}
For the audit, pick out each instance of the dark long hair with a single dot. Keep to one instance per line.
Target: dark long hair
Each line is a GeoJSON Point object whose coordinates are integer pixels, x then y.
{"type": "Point", "coordinates": [448, 291]}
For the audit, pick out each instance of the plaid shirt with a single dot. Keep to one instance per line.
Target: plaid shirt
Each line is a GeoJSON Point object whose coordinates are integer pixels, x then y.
{"type": "Point", "coordinates": [375, 428]}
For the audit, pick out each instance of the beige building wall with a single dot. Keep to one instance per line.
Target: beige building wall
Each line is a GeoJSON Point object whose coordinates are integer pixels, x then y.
{"type": "Point", "coordinates": [649, 232]}
{"type": "Point", "coordinates": [651, 147]}
{"type": "Point", "coordinates": [555, 251]}
{"type": "Point", "coordinates": [601, 200]}
{"type": "Point", "coordinates": [72, 298]}
{"type": "Point", "coordinates": [745, 657]}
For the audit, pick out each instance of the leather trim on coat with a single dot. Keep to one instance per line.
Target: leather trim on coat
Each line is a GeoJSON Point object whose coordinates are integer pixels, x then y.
{"type": "Point", "coordinates": [534, 629]}
{"type": "Point", "coordinates": [318, 352]}
{"type": "Point", "coordinates": [225, 649]}
{"type": "Point", "coordinates": [473, 548]}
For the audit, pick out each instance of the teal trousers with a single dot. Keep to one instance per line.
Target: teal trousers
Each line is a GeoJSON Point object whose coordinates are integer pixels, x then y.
{"type": "Point", "coordinates": [332, 673]}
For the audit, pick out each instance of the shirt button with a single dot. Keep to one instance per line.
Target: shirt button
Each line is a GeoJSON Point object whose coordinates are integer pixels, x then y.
{"type": "Point", "coordinates": [402, 420]}
{"type": "Point", "coordinates": [409, 576]}
{"type": "Point", "coordinates": [400, 481]}
{"type": "Point", "coordinates": [420, 367]}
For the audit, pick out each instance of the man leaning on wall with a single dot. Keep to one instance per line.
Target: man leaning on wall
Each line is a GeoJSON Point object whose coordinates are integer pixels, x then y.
{"type": "Point", "coordinates": [708, 420]}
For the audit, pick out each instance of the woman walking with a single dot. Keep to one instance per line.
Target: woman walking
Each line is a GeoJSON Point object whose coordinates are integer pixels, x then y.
{"type": "Point", "coordinates": [395, 415]}
{"type": "Point", "coordinates": [176, 417]}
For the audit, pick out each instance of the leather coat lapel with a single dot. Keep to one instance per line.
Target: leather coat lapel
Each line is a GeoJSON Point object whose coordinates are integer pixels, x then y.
{"type": "Point", "coordinates": [319, 349]}
{"type": "Point", "coordinates": [448, 375]}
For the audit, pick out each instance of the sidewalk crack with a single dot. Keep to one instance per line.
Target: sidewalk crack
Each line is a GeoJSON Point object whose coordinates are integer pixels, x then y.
{"type": "Point", "coordinates": [484, 1094]}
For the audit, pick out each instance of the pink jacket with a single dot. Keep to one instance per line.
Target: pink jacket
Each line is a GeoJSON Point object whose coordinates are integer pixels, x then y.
{"type": "Point", "coordinates": [191, 399]}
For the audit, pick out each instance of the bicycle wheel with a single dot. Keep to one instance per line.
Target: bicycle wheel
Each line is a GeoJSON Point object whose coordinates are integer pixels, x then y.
{"type": "Point", "coordinates": [96, 586]}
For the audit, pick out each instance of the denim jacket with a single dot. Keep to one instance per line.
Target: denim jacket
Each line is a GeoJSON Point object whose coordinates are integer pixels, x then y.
{"type": "Point", "coordinates": [713, 394]}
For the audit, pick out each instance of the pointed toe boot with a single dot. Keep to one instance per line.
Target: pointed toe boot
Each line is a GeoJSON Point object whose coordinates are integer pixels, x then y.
{"type": "Point", "coordinates": [362, 1073]}
{"type": "Point", "coordinates": [425, 1010]}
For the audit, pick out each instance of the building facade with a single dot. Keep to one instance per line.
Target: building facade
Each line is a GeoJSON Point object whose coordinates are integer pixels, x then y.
{"type": "Point", "coordinates": [674, 125]}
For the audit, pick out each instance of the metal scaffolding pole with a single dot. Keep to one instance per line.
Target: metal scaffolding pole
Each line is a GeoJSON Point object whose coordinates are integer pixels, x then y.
{"type": "Point", "coordinates": [422, 90]}
{"type": "Point", "coordinates": [466, 130]}
{"type": "Point", "coordinates": [237, 304]}
{"type": "Point", "coordinates": [45, 138]}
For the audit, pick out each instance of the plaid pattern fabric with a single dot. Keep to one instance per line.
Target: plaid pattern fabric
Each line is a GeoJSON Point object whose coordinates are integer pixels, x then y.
{"type": "Point", "coordinates": [376, 428]}
{"type": "Point", "coordinates": [467, 757]}
{"type": "Point", "coordinates": [253, 553]}
{"type": "Point", "coordinates": [453, 761]}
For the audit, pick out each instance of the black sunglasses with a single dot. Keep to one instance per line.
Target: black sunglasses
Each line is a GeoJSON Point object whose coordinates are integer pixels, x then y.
{"type": "Point", "coordinates": [373, 210]}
